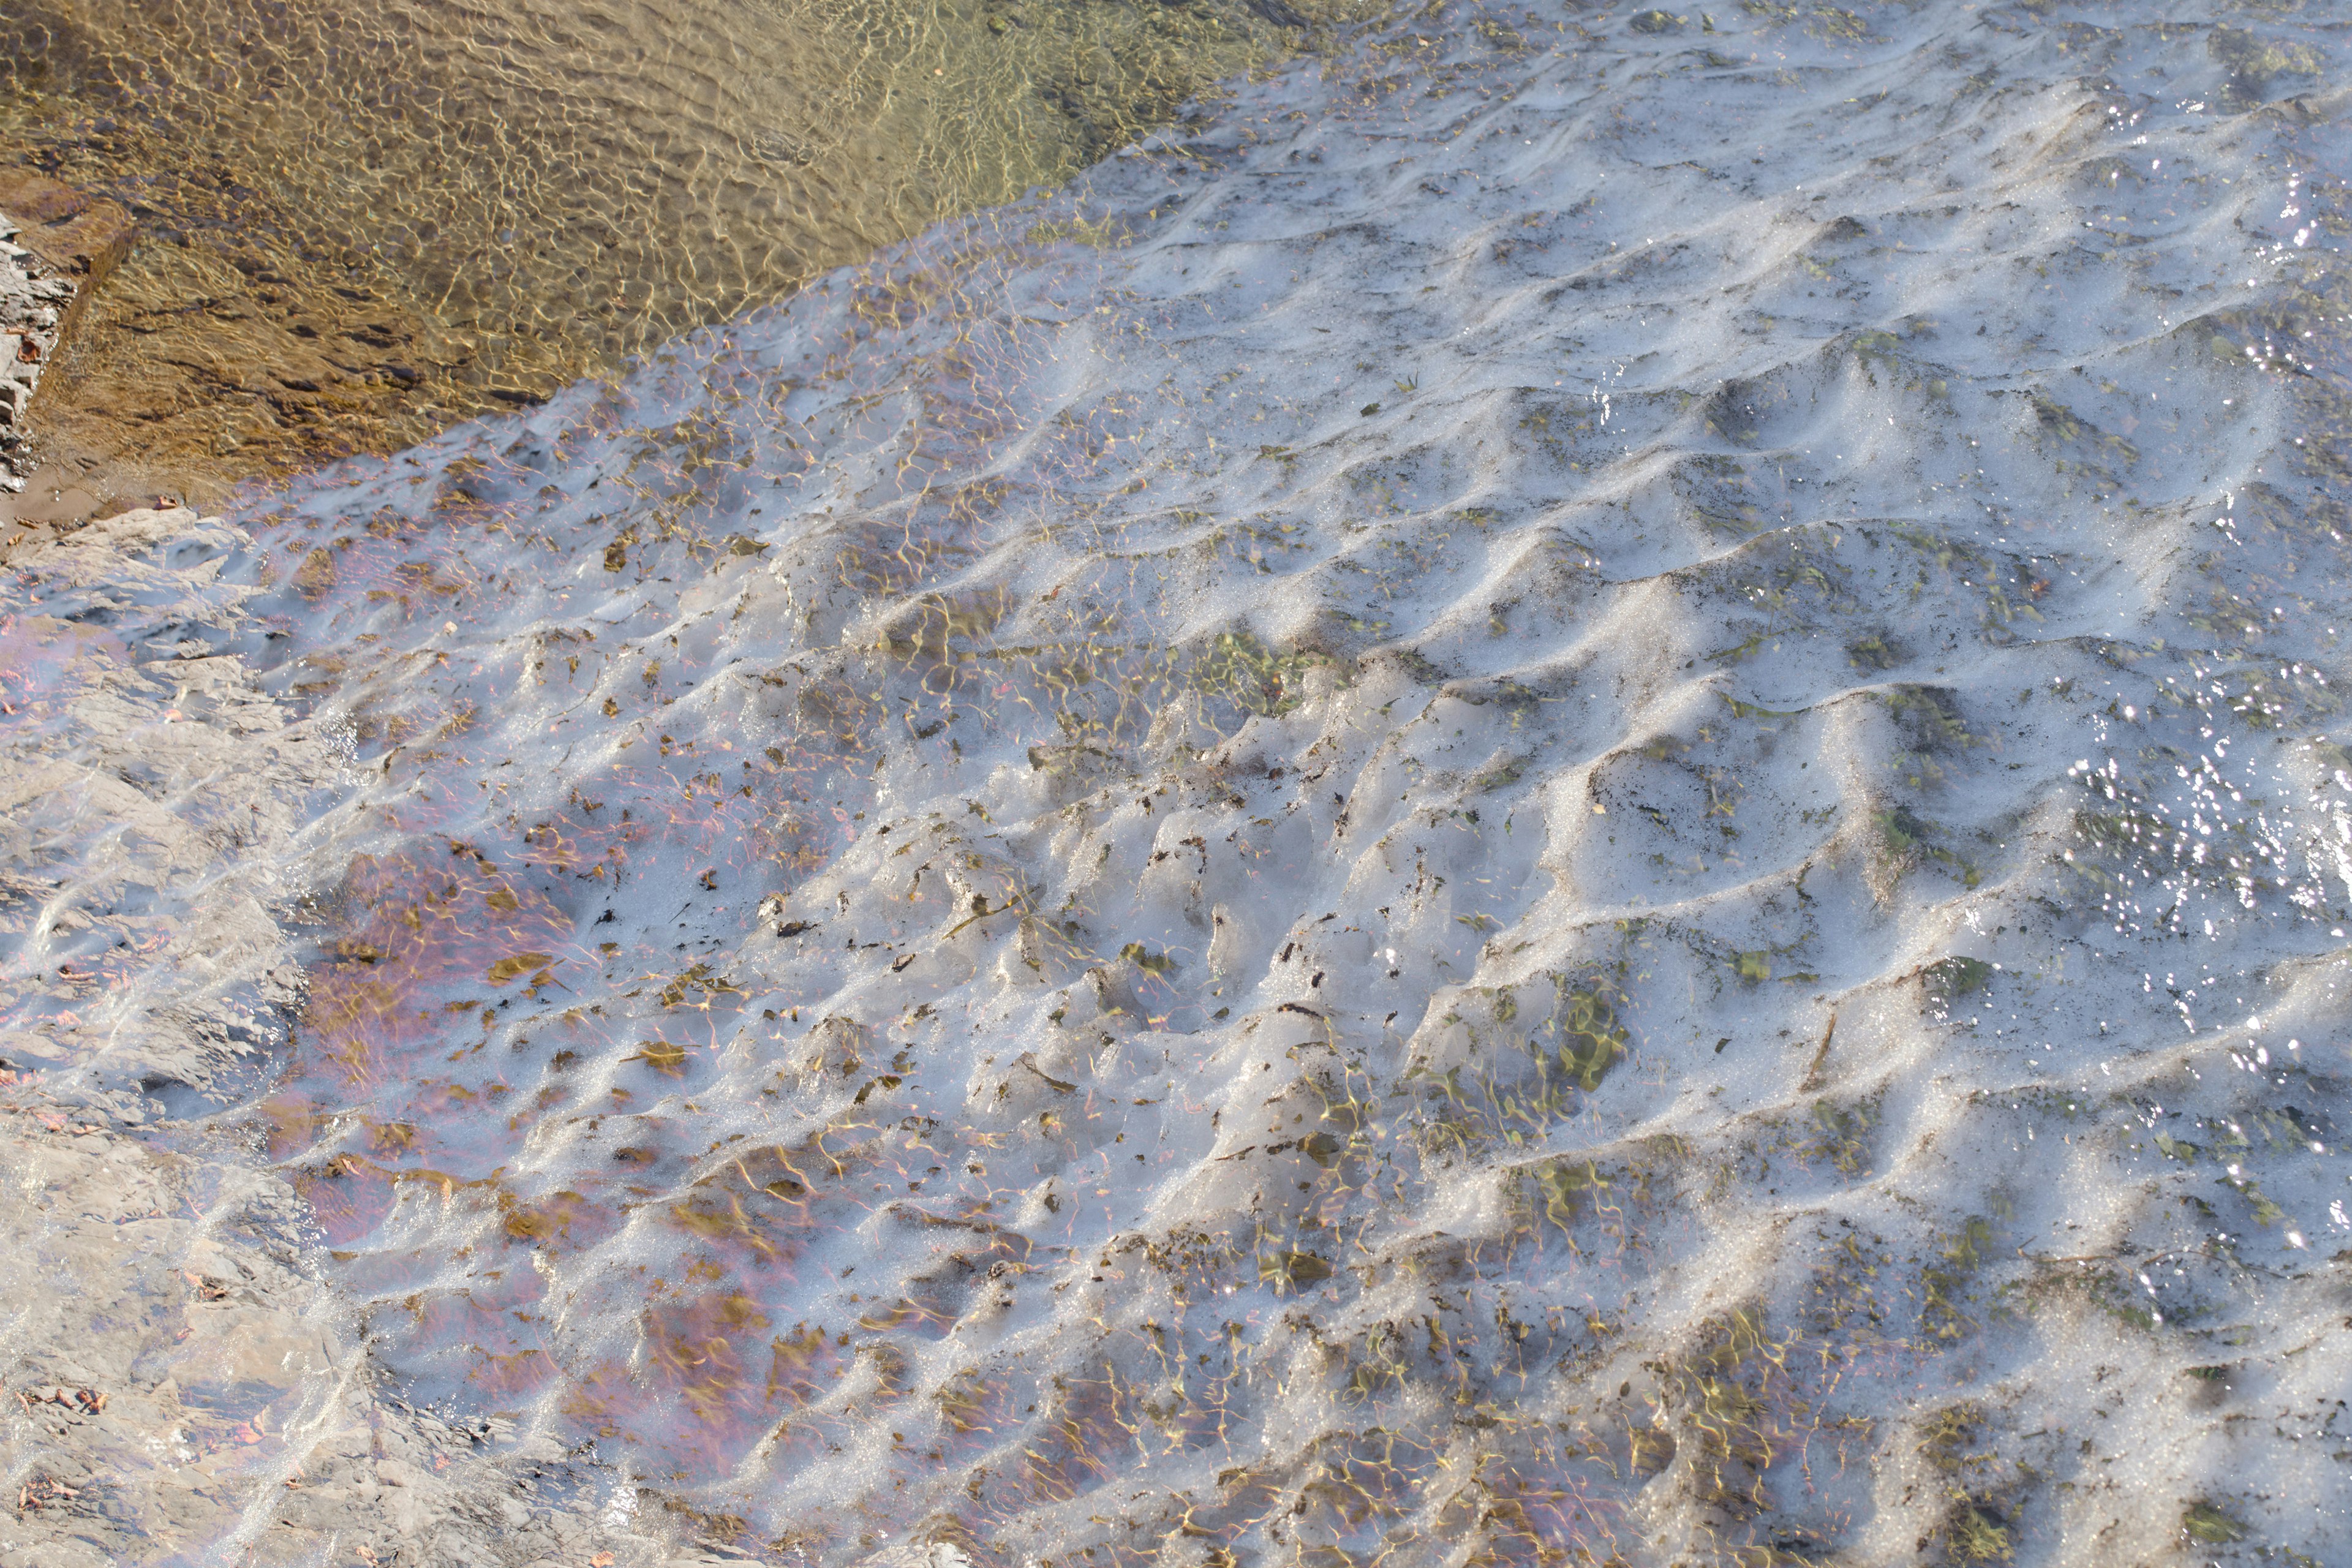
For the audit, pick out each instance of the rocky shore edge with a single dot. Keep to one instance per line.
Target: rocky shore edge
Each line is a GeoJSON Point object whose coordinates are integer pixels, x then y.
{"type": "Point", "coordinates": [32, 315]}
{"type": "Point", "coordinates": [57, 246]}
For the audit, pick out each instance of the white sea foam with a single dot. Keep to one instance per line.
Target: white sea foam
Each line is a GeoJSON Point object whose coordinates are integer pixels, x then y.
{"type": "Point", "coordinates": [1571, 794]}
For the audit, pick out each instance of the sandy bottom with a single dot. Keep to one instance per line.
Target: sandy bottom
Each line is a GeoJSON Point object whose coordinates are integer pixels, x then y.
{"type": "Point", "coordinates": [1576, 798]}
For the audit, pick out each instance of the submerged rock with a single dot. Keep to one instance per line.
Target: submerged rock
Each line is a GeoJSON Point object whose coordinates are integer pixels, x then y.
{"type": "Point", "coordinates": [55, 245]}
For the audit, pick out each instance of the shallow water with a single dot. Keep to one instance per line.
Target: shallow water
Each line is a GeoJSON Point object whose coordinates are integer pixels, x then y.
{"type": "Point", "coordinates": [1576, 797]}
{"type": "Point", "coordinates": [361, 224]}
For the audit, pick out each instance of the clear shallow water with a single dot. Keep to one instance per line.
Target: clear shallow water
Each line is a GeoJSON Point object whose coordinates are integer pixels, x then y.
{"type": "Point", "coordinates": [1576, 796]}
{"type": "Point", "coordinates": [361, 224]}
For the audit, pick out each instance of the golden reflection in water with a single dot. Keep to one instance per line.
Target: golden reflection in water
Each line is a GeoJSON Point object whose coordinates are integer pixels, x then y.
{"type": "Point", "coordinates": [362, 222]}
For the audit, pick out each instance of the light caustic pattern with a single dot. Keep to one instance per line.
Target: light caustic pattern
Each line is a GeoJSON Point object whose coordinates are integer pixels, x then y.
{"type": "Point", "coordinates": [147, 795]}
{"type": "Point", "coordinates": [1570, 801]}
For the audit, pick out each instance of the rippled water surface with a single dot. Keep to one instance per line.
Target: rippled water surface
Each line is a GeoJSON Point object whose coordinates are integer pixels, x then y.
{"type": "Point", "coordinates": [362, 222]}
{"type": "Point", "coordinates": [1577, 797]}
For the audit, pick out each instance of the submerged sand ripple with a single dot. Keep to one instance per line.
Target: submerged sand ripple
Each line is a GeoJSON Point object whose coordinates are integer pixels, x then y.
{"type": "Point", "coordinates": [1574, 801]}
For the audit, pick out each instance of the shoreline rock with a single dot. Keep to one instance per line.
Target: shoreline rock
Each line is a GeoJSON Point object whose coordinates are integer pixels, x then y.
{"type": "Point", "coordinates": [57, 245]}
